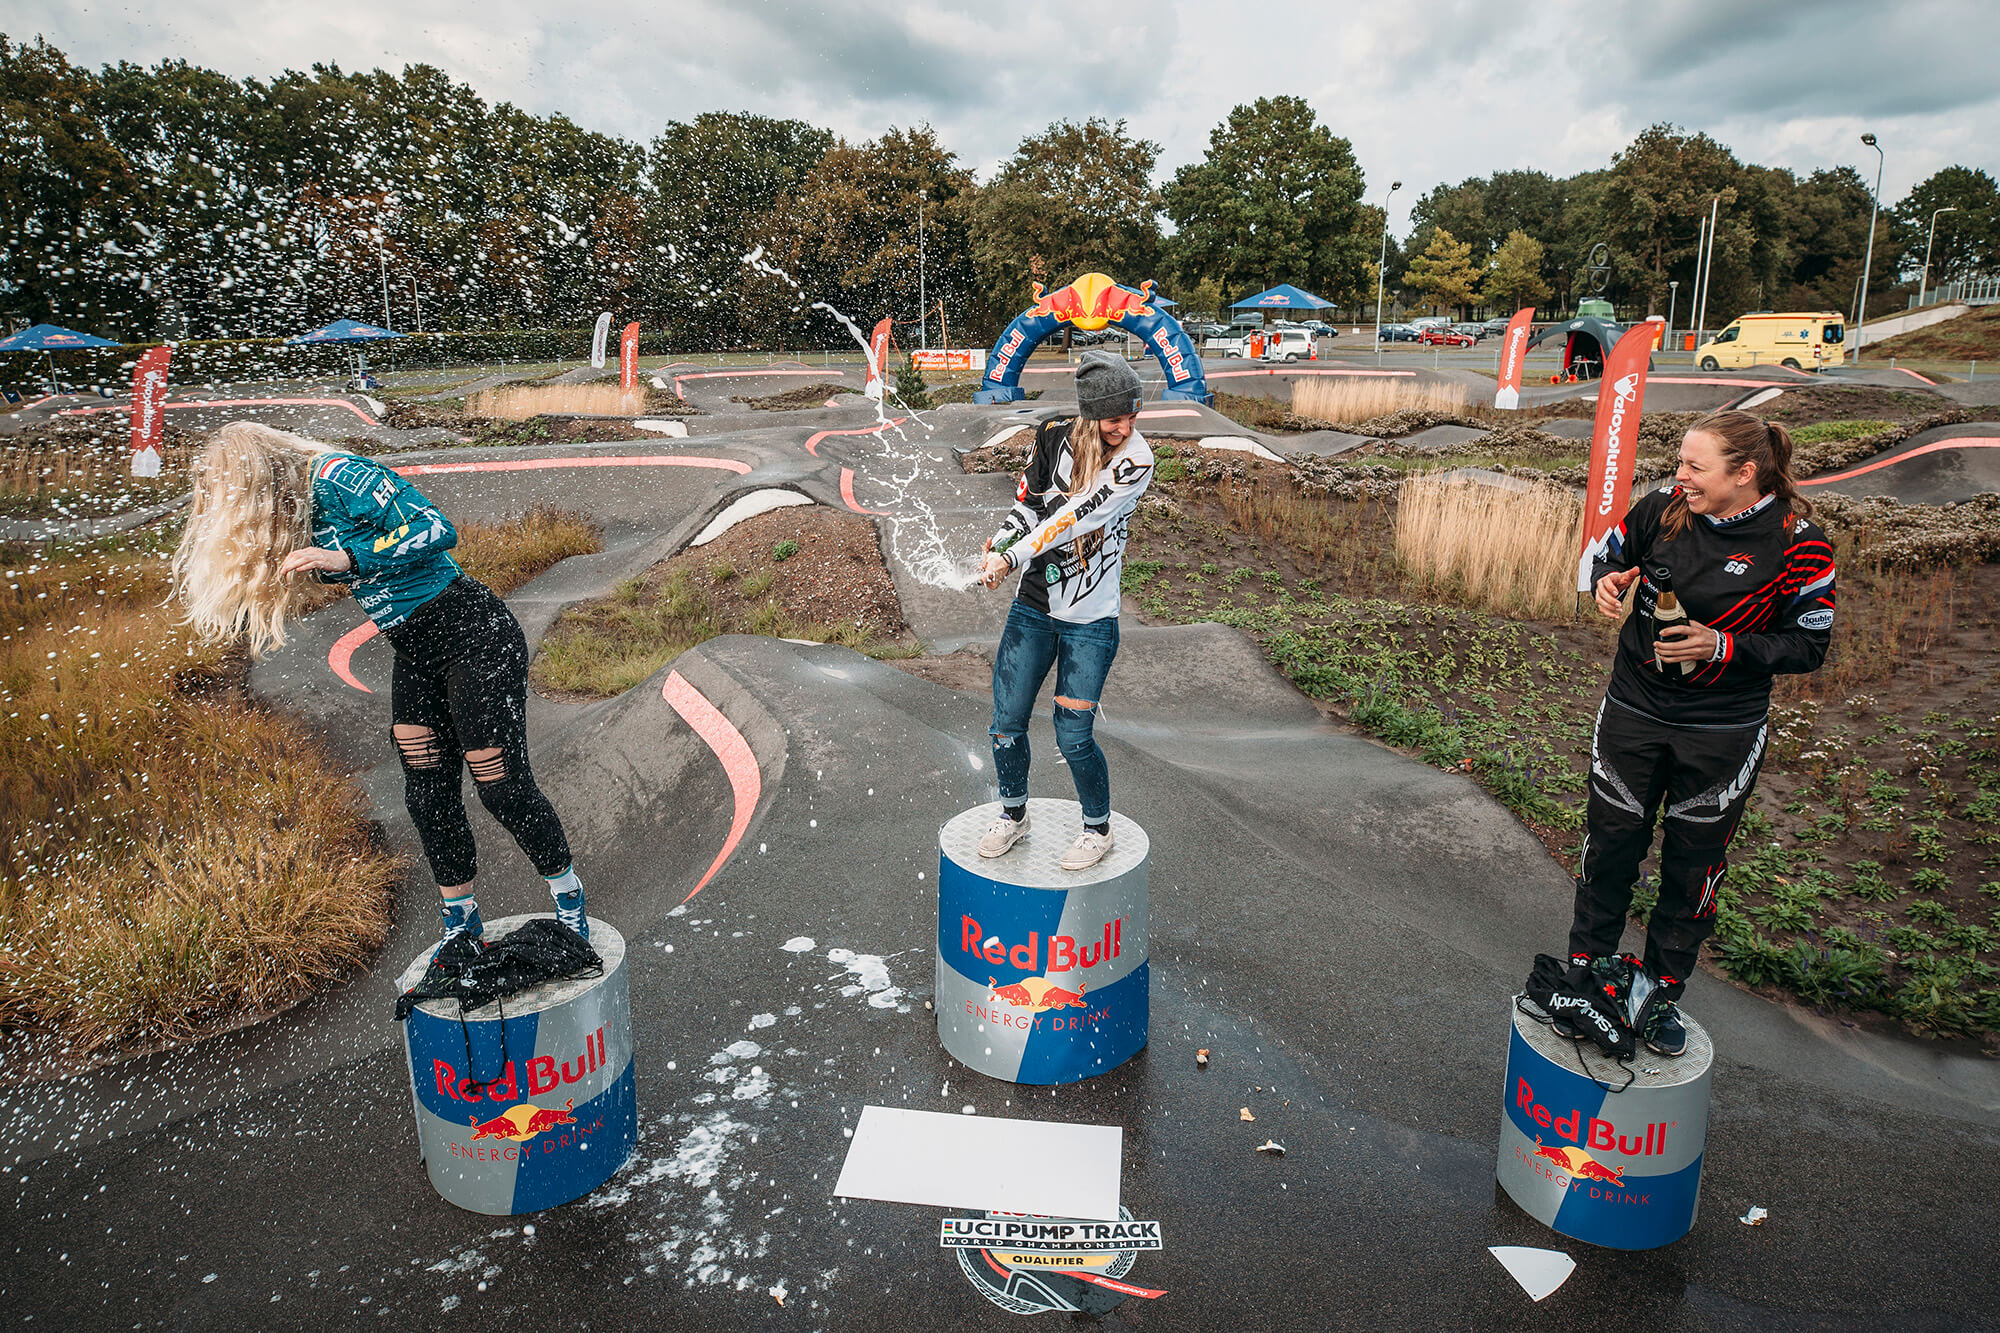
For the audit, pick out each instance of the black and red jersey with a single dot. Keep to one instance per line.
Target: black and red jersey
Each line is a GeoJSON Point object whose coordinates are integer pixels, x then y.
{"type": "Point", "coordinates": [1762, 579]}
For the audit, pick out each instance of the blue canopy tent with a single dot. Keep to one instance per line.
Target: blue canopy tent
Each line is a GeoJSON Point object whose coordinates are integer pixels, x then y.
{"type": "Point", "coordinates": [48, 338]}
{"type": "Point", "coordinates": [1284, 296]}
{"type": "Point", "coordinates": [349, 331]}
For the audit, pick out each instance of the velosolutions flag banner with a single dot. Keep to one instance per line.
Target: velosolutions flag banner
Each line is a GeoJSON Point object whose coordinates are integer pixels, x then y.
{"type": "Point", "coordinates": [149, 402]}
{"type": "Point", "coordinates": [1608, 483]}
{"type": "Point", "coordinates": [878, 349]}
{"type": "Point", "coordinates": [597, 341]}
{"type": "Point", "coordinates": [1513, 351]}
{"type": "Point", "coordinates": [628, 357]}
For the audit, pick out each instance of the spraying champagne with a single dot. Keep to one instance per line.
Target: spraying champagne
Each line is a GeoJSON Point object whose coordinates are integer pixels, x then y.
{"type": "Point", "coordinates": [1667, 612]}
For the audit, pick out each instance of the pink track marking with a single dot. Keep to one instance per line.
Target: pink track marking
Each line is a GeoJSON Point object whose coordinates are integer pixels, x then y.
{"type": "Point", "coordinates": [1934, 447]}
{"type": "Point", "coordinates": [847, 494]}
{"type": "Point", "coordinates": [341, 654]}
{"type": "Point", "coordinates": [812, 441]}
{"type": "Point", "coordinates": [1170, 412]}
{"type": "Point", "coordinates": [233, 402]}
{"type": "Point", "coordinates": [1311, 370]}
{"type": "Point", "coordinates": [745, 780]}
{"type": "Point", "coordinates": [539, 464]}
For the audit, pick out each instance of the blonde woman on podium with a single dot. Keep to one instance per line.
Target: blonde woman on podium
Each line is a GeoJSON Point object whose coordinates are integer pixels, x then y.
{"type": "Point", "coordinates": [1066, 536]}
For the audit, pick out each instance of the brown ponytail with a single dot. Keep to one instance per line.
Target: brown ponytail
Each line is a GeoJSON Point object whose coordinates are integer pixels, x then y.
{"type": "Point", "coordinates": [1743, 438]}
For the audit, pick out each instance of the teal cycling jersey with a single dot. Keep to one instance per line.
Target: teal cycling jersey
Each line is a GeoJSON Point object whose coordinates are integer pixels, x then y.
{"type": "Point", "coordinates": [396, 538]}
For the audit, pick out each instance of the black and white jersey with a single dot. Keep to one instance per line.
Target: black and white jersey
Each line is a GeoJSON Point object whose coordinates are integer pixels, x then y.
{"type": "Point", "coordinates": [1073, 550]}
{"type": "Point", "coordinates": [1763, 580]}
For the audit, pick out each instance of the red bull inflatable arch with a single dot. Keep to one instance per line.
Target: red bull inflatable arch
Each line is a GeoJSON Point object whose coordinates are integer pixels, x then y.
{"type": "Point", "coordinates": [1094, 302]}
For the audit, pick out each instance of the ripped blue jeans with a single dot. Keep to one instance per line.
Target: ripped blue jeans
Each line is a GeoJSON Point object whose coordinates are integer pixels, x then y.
{"type": "Point", "coordinates": [1081, 654]}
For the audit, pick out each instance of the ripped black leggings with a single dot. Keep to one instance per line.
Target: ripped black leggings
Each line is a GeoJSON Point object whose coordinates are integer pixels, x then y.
{"type": "Point", "coordinates": [461, 678]}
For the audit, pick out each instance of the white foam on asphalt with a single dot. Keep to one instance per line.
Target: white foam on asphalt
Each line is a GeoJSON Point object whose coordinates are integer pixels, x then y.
{"type": "Point", "coordinates": [747, 507]}
{"type": "Point", "coordinates": [871, 977]}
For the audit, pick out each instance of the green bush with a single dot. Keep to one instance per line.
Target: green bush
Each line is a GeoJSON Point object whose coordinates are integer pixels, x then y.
{"type": "Point", "coordinates": [785, 549]}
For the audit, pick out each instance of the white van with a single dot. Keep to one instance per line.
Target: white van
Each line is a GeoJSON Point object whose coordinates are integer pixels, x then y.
{"type": "Point", "coordinates": [1801, 341]}
{"type": "Point", "coordinates": [1287, 344]}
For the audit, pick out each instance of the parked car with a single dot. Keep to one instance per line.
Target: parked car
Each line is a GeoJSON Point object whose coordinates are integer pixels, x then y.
{"type": "Point", "coordinates": [1496, 326]}
{"type": "Point", "coordinates": [1398, 333]}
{"type": "Point", "coordinates": [1322, 329]}
{"type": "Point", "coordinates": [1474, 331]}
{"type": "Point", "coordinates": [1234, 341]}
{"type": "Point", "coordinates": [1206, 329]}
{"type": "Point", "coordinates": [1426, 321]}
{"type": "Point", "coordinates": [1443, 333]}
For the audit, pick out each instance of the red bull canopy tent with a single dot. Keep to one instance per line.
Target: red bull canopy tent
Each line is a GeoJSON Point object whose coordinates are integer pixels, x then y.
{"type": "Point", "coordinates": [1284, 296]}
{"type": "Point", "coordinates": [49, 338]}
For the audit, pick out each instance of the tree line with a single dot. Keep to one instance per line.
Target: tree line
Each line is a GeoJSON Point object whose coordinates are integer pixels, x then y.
{"type": "Point", "coordinates": [176, 202]}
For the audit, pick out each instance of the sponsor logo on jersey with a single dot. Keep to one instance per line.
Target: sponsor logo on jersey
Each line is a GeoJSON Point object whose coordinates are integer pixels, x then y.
{"type": "Point", "coordinates": [1821, 619]}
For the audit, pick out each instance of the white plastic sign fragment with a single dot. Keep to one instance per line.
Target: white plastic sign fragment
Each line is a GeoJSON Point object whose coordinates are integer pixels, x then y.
{"type": "Point", "coordinates": [1539, 1272]}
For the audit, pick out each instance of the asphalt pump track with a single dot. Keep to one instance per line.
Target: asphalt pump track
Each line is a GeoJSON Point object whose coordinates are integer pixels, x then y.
{"type": "Point", "coordinates": [1341, 927]}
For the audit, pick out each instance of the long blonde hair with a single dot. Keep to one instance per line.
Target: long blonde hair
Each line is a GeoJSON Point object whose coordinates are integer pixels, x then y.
{"type": "Point", "coordinates": [252, 508]}
{"type": "Point", "coordinates": [1086, 455]}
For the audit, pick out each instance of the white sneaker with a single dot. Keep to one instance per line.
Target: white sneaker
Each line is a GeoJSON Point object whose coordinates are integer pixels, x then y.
{"type": "Point", "coordinates": [1002, 834]}
{"type": "Point", "coordinates": [1088, 849]}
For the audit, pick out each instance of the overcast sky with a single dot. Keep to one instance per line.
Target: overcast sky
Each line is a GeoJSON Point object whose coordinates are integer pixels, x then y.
{"type": "Point", "coordinates": [1428, 91]}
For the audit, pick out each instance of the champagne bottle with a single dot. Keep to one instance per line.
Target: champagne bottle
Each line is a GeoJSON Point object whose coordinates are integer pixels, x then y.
{"type": "Point", "coordinates": [1667, 612]}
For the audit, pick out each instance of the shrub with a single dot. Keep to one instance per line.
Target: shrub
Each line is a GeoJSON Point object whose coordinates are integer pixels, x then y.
{"type": "Point", "coordinates": [785, 549]}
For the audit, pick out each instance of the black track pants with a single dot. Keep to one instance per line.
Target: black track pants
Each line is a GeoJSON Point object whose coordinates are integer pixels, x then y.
{"type": "Point", "coordinates": [1703, 777]}
{"type": "Point", "coordinates": [462, 672]}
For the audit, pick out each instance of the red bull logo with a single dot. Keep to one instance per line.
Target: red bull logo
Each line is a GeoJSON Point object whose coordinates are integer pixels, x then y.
{"type": "Point", "coordinates": [1035, 994]}
{"type": "Point", "coordinates": [523, 1122]}
{"type": "Point", "coordinates": [1578, 1163]}
{"type": "Point", "coordinates": [1092, 301]}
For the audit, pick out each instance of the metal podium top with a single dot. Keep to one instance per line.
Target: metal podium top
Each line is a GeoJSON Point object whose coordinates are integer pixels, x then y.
{"type": "Point", "coordinates": [610, 946]}
{"type": "Point", "coordinates": [1647, 1069]}
{"type": "Point", "coordinates": [1034, 861]}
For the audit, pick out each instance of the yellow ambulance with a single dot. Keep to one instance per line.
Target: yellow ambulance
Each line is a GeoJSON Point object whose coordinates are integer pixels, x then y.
{"type": "Point", "coordinates": [1801, 341]}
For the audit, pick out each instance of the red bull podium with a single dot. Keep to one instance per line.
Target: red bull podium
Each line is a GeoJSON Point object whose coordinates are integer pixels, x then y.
{"type": "Point", "coordinates": [527, 1102]}
{"type": "Point", "coordinates": [1621, 1169]}
{"type": "Point", "coordinates": [1041, 972]}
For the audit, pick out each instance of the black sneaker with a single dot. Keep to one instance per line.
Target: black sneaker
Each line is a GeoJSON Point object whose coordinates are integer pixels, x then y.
{"type": "Point", "coordinates": [1665, 1033]}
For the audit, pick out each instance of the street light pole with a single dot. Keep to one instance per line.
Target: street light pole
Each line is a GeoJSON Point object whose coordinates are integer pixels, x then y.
{"type": "Point", "coordinates": [385, 282]}
{"type": "Point", "coordinates": [1925, 279]}
{"type": "Point", "coordinates": [1704, 273]}
{"type": "Point", "coordinates": [1868, 261]}
{"type": "Point", "coordinates": [1673, 302]}
{"type": "Point", "coordinates": [1381, 263]}
{"type": "Point", "coordinates": [923, 305]}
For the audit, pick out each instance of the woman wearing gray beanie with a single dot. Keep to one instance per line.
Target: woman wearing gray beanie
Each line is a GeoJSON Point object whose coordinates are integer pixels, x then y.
{"type": "Point", "coordinates": [1067, 531]}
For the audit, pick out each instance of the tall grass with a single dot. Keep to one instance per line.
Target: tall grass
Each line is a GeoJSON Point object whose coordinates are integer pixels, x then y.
{"type": "Point", "coordinates": [176, 860]}
{"type": "Point", "coordinates": [1342, 400]}
{"type": "Point", "coordinates": [173, 863]}
{"type": "Point", "coordinates": [1508, 551]}
{"type": "Point", "coordinates": [519, 402]}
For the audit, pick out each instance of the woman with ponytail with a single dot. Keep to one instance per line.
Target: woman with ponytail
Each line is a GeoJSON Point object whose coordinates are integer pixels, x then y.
{"type": "Point", "coordinates": [270, 506]}
{"type": "Point", "coordinates": [1682, 724]}
{"type": "Point", "coordinates": [1066, 532]}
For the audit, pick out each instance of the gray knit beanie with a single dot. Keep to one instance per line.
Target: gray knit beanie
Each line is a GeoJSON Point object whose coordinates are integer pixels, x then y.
{"type": "Point", "coordinates": [1105, 386]}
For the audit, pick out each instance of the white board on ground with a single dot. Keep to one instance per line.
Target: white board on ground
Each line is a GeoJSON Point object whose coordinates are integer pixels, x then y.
{"type": "Point", "coordinates": [973, 1161]}
{"type": "Point", "coordinates": [1539, 1272]}
{"type": "Point", "coordinates": [677, 429]}
{"type": "Point", "coordinates": [1241, 445]}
